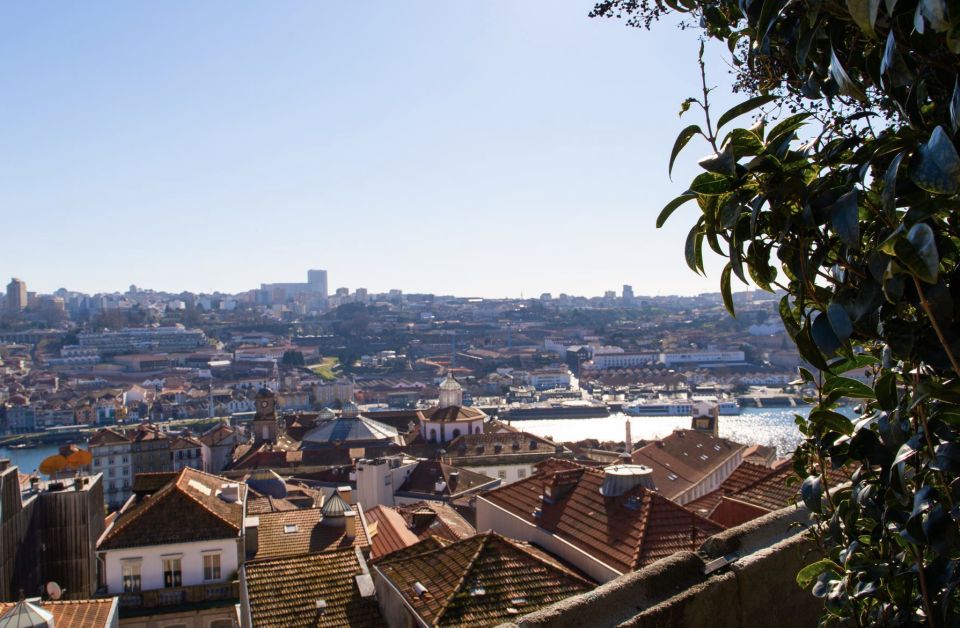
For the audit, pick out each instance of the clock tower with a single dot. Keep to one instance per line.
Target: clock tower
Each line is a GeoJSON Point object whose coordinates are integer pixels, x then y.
{"type": "Point", "coordinates": [266, 426]}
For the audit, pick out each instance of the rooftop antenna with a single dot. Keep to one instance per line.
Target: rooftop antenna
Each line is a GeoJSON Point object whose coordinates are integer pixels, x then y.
{"type": "Point", "coordinates": [54, 590]}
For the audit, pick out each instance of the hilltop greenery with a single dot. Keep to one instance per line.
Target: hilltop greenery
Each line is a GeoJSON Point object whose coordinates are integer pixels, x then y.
{"type": "Point", "coordinates": [844, 193]}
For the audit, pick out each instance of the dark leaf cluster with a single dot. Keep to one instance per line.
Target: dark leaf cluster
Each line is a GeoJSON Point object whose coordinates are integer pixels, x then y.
{"type": "Point", "coordinates": [844, 194]}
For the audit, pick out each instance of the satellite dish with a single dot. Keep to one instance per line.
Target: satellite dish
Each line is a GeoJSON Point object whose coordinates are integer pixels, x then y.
{"type": "Point", "coordinates": [54, 590]}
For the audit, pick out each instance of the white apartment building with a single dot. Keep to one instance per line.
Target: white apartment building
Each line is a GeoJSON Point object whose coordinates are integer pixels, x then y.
{"type": "Point", "coordinates": [111, 457]}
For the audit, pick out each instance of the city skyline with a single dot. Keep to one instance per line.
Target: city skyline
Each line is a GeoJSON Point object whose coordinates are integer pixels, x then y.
{"type": "Point", "coordinates": [489, 150]}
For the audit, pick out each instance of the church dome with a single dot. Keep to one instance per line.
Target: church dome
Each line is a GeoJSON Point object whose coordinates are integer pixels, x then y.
{"type": "Point", "coordinates": [451, 393]}
{"type": "Point", "coordinates": [351, 430]}
{"type": "Point", "coordinates": [350, 410]}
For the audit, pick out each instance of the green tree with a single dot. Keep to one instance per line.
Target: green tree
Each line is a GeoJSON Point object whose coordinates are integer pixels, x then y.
{"type": "Point", "coordinates": [844, 193]}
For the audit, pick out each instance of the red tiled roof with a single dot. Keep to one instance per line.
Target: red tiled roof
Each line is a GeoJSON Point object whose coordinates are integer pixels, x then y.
{"type": "Point", "coordinates": [481, 581]}
{"type": "Point", "coordinates": [159, 519]}
{"type": "Point", "coordinates": [389, 531]}
{"type": "Point", "coordinates": [283, 592]}
{"type": "Point", "coordinates": [625, 532]}
{"type": "Point", "coordinates": [77, 613]}
{"type": "Point", "coordinates": [743, 476]}
{"type": "Point", "coordinates": [292, 532]}
{"type": "Point", "coordinates": [428, 473]}
{"type": "Point", "coordinates": [685, 458]}
{"type": "Point", "coordinates": [435, 519]}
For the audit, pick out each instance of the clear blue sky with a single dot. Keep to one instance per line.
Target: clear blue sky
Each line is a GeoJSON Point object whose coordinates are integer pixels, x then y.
{"type": "Point", "coordinates": [477, 148]}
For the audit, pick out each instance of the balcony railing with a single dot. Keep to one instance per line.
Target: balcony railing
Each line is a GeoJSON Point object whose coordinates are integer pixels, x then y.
{"type": "Point", "coordinates": [178, 596]}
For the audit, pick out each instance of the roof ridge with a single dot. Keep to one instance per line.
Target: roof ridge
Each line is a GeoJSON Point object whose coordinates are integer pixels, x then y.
{"type": "Point", "coordinates": [183, 474]}
{"type": "Point", "coordinates": [143, 507]}
{"type": "Point", "coordinates": [557, 568]}
{"type": "Point", "coordinates": [484, 539]}
{"type": "Point", "coordinates": [764, 478]}
{"type": "Point", "coordinates": [647, 507]}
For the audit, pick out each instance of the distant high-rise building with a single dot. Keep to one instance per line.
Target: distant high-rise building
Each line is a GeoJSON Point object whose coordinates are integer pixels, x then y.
{"type": "Point", "coordinates": [318, 281]}
{"type": "Point", "coordinates": [609, 294]}
{"type": "Point", "coordinates": [314, 290]}
{"type": "Point", "coordinates": [343, 292]}
{"type": "Point", "coordinates": [16, 295]}
{"type": "Point", "coordinates": [362, 295]}
{"type": "Point", "coordinates": [627, 293]}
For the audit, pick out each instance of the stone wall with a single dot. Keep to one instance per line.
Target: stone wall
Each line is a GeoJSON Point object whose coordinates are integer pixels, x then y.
{"type": "Point", "coordinates": [757, 588]}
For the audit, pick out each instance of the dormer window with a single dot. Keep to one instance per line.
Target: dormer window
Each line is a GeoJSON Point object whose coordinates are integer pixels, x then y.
{"type": "Point", "coordinates": [289, 528]}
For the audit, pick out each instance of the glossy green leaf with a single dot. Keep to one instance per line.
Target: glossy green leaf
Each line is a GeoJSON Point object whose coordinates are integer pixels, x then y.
{"type": "Point", "coordinates": [889, 194]}
{"type": "Point", "coordinates": [849, 387]}
{"type": "Point", "coordinates": [811, 492]}
{"type": "Point", "coordinates": [824, 336]}
{"type": "Point", "coordinates": [744, 107]}
{"type": "Point", "coordinates": [839, 321]}
{"type": "Point", "coordinates": [711, 184]}
{"type": "Point", "coordinates": [833, 421]}
{"type": "Point", "coordinates": [886, 391]}
{"type": "Point", "coordinates": [670, 207]}
{"type": "Point", "coordinates": [681, 141]}
{"type": "Point", "coordinates": [955, 106]}
{"type": "Point", "coordinates": [808, 575]}
{"type": "Point", "coordinates": [893, 66]}
{"type": "Point", "coordinates": [721, 163]}
{"type": "Point", "coordinates": [935, 12]}
{"type": "Point", "coordinates": [864, 13]}
{"type": "Point", "coordinates": [725, 289]}
{"type": "Point", "coordinates": [844, 83]}
{"type": "Point", "coordinates": [844, 216]}
{"type": "Point", "coordinates": [936, 165]}
{"type": "Point", "coordinates": [918, 252]}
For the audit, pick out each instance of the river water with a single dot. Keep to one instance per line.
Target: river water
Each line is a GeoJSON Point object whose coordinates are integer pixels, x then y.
{"type": "Point", "coordinates": [773, 427]}
{"type": "Point", "coordinates": [762, 426]}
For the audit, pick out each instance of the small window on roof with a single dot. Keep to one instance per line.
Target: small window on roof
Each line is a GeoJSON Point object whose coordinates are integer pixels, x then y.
{"type": "Point", "coordinates": [704, 456]}
{"type": "Point", "coordinates": [289, 528]}
{"type": "Point", "coordinates": [716, 447]}
{"type": "Point", "coordinates": [672, 476]}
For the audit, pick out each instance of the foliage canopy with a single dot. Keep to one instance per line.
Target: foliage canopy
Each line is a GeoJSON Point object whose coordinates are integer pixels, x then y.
{"type": "Point", "coordinates": [848, 204]}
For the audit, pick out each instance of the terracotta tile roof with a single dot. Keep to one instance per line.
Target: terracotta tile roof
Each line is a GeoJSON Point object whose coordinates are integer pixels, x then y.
{"type": "Point", "coordinates": [481, 581]}
{"type": "Point", "coordinates": [293, 532]}
{"type": "Point", "coordinates": [108, 436]}
{"type": "Point", "coordinates": [389, 531]}
{"type": "Point", "coordinates": [149, 483]}
{"type": "Point", "coordinates": [283, 592]}
{"type": "Point", "coordinates": [258, 504]}
{"type": "Point", "coordinates": [625, 532]}
{"type": "Point", "coordinates": [772, 491]}
{"type": "Point", "coordinates": [77, 613]}
{"type": "Point", "coordinates": [684, 459]}
{"type": "Point", "coordinates": [428, 519]}
{"type": "Point", "coordinates": [743, 476]}
{"type": "Point", "coordinates": [159, 519]}
{"type": "Point", "coordinates": [508, 442]}
{"type": "Point", "coordinates": [424, 478]}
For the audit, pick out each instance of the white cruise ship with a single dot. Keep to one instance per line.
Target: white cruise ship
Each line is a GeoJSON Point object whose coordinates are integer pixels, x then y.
{"type": "Point", "coordinates": [675, 407]}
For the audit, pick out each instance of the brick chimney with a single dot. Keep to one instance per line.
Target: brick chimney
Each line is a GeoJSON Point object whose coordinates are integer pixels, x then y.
{"type": "Point", "coordinates": [559, 484]}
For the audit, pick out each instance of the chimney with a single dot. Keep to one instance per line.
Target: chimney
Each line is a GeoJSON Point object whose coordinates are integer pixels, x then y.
{"type": "Point", "coordinates": [629, 442]}
{"type": "Point", "coordinates": [346, 493]}
{"type": "Point", "coordinates": [251, 528]}
{"type": "Point", "coordinates": [230, 492]}
{"type": "Point", "coordinates": [350, 522]}
{"type": "Point", "coordinates": [622, 478]}
{"type": "Point", "coordinates": [423, 517]}
{"type": "Point", "coordinates": [560, 484]}
{"type": "Point", "coordinates": [4, 464]}
{"type": "Point", "coordinates": [453, 480]}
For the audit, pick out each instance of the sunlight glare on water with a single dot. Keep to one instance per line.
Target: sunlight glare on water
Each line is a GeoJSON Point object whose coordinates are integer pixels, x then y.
{"type": "Point", "coordinates": [773, 427]}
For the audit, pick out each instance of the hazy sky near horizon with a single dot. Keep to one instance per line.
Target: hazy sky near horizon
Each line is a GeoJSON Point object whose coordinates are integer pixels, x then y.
{"type": "Point", "coordinates": [489, 148]}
